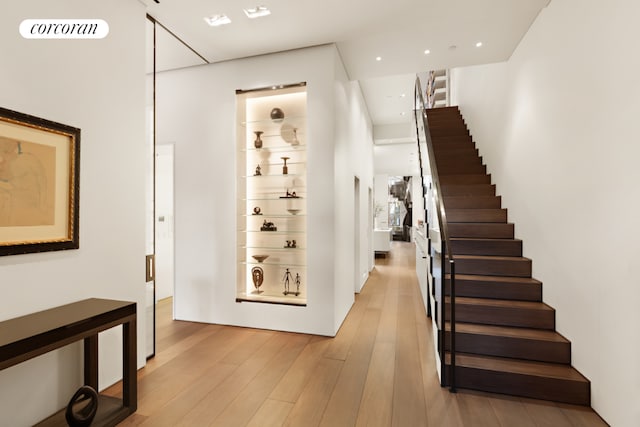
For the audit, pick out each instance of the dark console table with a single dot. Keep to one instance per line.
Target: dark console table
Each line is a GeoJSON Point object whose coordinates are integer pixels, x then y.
{"type": "Point", "coordinates": [29, 336]}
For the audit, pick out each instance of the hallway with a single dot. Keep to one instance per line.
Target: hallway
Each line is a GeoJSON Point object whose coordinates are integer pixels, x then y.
{"type": "Point", "coordinates": [378, 371]}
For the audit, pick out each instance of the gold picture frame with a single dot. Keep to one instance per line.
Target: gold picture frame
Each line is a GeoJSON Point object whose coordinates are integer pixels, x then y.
{"type": "Point", "coordinates": [39, 184]}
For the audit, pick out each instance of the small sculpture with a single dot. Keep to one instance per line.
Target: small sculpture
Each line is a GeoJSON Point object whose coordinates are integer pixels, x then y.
{"type": "Point", "coordinates": [257, 211]}
{"type": "Point", "coordinates": [257, 275]}
{"type": "Point", "coordinates": [291, 244]}
{"type": "Point", "coordinates": [258, 142]}
{"type": "Point", "coordinates": [258, 171]}
{"type": "Point", "coordinates": [295, 137]}
{"type": "Point", "coordinates": [285, 169]}
{"type": "Point", "coordinates": [297, 284]}
{"type": "Point", "coordinates": [260, 258]}
{"type": "Point", "coordinates": [277, 115]}
{"type": "Point", "coordinates": [286, 279]}
{"type": "Point", "coordinates": [268, 226]}
{"type": "Point", "coordinates": [83, 416]}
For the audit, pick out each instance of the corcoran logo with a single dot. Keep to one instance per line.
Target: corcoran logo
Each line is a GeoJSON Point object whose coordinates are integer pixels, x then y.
{"type": "Point", "coordinates": [64, 29]}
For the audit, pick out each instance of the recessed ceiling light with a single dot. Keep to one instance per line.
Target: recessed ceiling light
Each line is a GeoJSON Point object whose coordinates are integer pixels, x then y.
{"type": "Point", "coordinates": [427, 52]}
{"type": "Point", "coordinates": [479, 44]}
{"type": "Point", "coordinates": [257, 12]}
{"type": "Point", "coordinates": [217, 20]}
{"type": "Point", "coordinates": [378, 58]}
{"type": "Point", "coordinates": [403, 113]}
{"type": "Point", "coordinates": [403, 95]}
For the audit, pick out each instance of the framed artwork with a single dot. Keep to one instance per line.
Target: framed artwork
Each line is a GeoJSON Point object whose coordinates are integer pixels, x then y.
{"type": "Point", "coordinates": [39, 184]}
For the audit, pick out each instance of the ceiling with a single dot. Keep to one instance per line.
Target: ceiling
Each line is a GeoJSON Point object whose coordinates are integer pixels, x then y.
{"type": "Point", "coordinates": [397, 31]}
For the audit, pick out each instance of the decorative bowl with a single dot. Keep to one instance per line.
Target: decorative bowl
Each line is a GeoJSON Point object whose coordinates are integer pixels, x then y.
{"type": "Point", "coordinates": [260, 258]}
{"type": "Point", "coordinates": [293, 211]}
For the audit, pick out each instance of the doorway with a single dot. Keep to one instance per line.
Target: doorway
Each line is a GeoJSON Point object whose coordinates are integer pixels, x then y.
{"type": "Point", "coordinates": [357, 234]}
{"type": "Point", "coordinates": [164, 218]}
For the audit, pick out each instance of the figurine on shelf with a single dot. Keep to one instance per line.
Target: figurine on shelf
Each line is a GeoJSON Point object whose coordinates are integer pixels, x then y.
{"type": "Point", "coordinates": [295, 137]}
{"type": "Point", "coordinates": [290, 244]}
{"type": "Point", "coordinates": [257, 211]}
{"type": "Point", "coordinates": [268, 226]}
{"type": "Point", "coordinates": [297, 284]}
{"type": "Point", "coordinates": [291, 195]}
{"type": "Point", "coordinates": [277, 115]}
{"type": "Point", "coordinates": [258, 171]}
{"type": "Point", "coordinates": [285, 168]}
{"type": "Point", "coordinates": [258, 142]}
{"type": "Point", "coordinates": [286, 279]}
{"type": "Point", "coordinates": [257, 275]}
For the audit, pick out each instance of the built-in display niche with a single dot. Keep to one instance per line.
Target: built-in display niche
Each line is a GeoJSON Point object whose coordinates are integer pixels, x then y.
{"type": "Point", "coordinates": [272, 195]}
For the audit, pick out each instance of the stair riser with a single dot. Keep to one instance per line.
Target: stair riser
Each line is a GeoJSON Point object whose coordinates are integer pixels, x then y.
{"type": "Point", "coordinates": [448, 131]}
{"type": "Point", "coordinates": [510, 268]}
{"type": "Point", "coordinates": [445, 145]}
{"type": "Point", "coordinates": [454, 154]}
{"type": "Point", "coordinates": [503, 316]}
{"type": "Point", "coordinates": [553, 389]}
{"type": "Point", "coordinates": [486, 247]}
{"type": "Point", "coordinates": [517, 348]}
{"type": "Point", "coordinates": [465, 162]}
{"type": "Point", "coordinates": [466, 155]}
{"type": "Point", "coordinates": [476, 202]}
{"type": "Point", "coordinates": [476, 215]}
{"type": "Point", "coordinates": [481, 231]}
{"type": "Point", "coordinates": [496, 290]}
{"type": "Point", "coordinates": [469, 190]}
{"type": "Point", "coordinates": [464, 179]}
{"type": "Point", "coordinates": [462, 169]}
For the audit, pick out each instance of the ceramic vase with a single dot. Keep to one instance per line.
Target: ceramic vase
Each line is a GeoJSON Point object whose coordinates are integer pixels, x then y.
{"type": "Point", "coordinates": [258, 142]}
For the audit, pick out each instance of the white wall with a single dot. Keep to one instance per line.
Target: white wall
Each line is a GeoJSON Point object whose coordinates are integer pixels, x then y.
{"type": "Point", "coordinates": [196, 109]}
{"type": "Point", "coordinates": [556, 125]}
{"type": "Point", "coordinates": [381, 200]}
{"type": "Point", "coordinates": [353, 158]}
{"type": "Point", "coordinates": [75, 82]}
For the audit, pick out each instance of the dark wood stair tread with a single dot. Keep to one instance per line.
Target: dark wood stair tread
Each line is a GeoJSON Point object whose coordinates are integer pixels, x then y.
{"type": "Point", "coordinates": [477, 246]}
{"type": "Point", "coordinates": [491, 258]}
{"type": "Point", "coordinates": [510, 332]}
{"type": "Point", "coordinates": [485, 302]}
{"type": "Point", "coordinates": [516, 366]}
{"type": "Point", "coordinates": [496, 287]}
{"type": "Point", "coordinates": [465, 179]}
{"type": "Point", "coordinates": [482, 230]}
{"type": "Point", "coordinates": [476, 215]}
{"type": "Point", "coordinates": [472, 202]}
{"type": "Point", "coordinates": [499, 279]}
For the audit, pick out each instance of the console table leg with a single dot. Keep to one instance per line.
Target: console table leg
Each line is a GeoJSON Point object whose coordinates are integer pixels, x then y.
{"type": "Point", "coordinates": [91, 361]}
{"type": "Point", "coordinates": [130, 363]}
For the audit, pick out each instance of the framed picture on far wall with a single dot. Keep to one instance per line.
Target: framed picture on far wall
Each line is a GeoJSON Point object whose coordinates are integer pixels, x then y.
{"type": "Point", "coordinates": [39, 184]}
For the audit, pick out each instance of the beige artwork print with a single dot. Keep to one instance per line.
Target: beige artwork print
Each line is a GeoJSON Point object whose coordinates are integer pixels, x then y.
{"type": "Point", "coordinates": [27, 183]}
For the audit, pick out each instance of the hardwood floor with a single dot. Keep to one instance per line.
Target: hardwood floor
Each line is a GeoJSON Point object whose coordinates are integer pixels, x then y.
{"type": "Point", "coordinates": [378, 371]}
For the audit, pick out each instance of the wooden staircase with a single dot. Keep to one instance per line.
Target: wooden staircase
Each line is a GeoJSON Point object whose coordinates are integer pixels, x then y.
{"type": "Point", "coordinates": [505, 335]}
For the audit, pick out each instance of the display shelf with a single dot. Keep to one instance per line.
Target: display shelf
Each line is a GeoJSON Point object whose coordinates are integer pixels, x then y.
{"type": "Point", "coordinates": [275, 175]}
{"type": "Point", "coordinates": [281, 278]}
{"type": "Point", "coordinates": [273, 199]}
{"type": "Point", "coordinates": [278, 164]}
{"type": "Point", "coordinates": [271, 299]}
{"type": "Point", "coordinates": [274, 264]}
{"type": "Point", "coordinates": [276, 248]}
{"type": "Point", "coordinates": [268, 122]}
{"type": "Point", "coordinates": [275, 233]}
{"type": "Point", "coordinates": [268, 215]}
{"type": "Point", "coordinates": [276, 149]}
